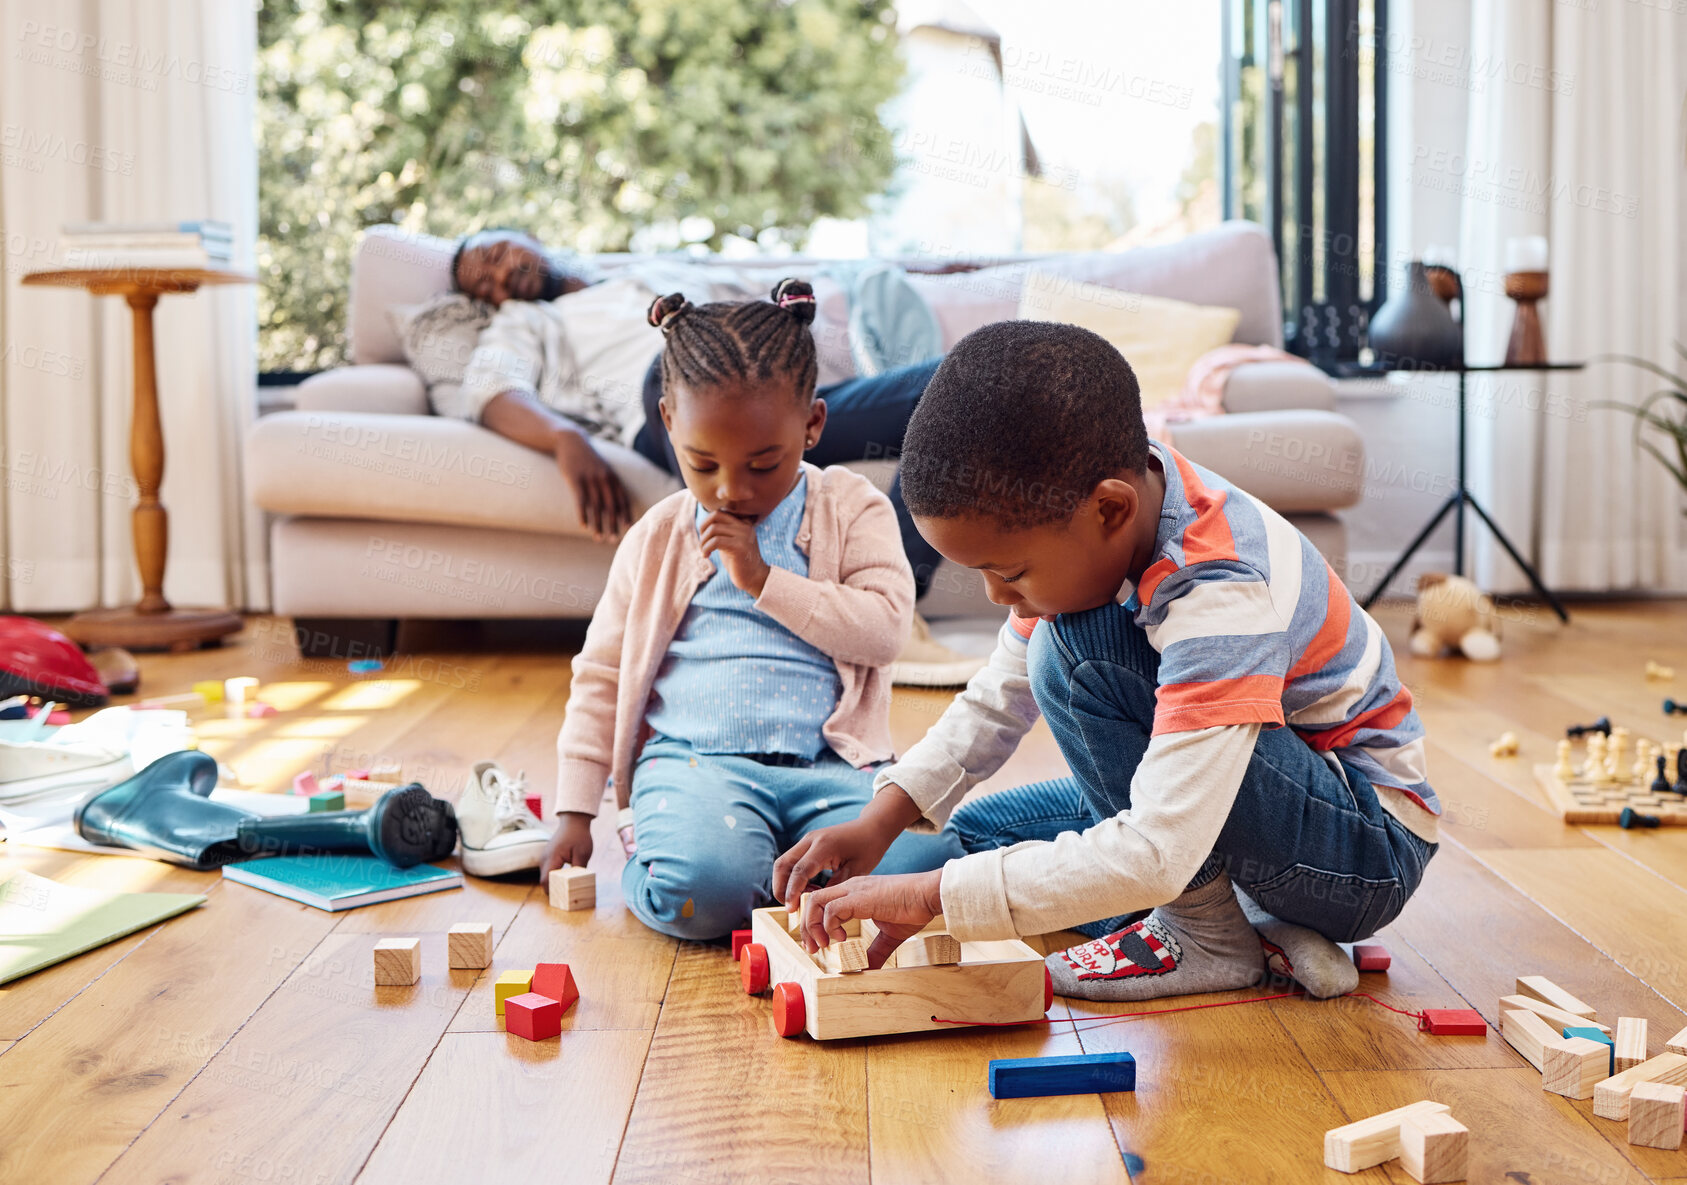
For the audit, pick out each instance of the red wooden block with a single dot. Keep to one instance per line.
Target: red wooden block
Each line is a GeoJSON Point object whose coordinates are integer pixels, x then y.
{"type": "Point", "coordinates": [535, 805]}
{"type": "Point", "coordinates": [532, 1016]}
{"type": "Point", "coordinates": [305, 784]}
{"type": "Point", "coordinates": [739, 939]}
{"type": "Point", "coordinates": [1453, 1022]}
{"type": "Point", "coordinates": [1371, 956]}
{"type": "Point", "coordinates": [555, 981]}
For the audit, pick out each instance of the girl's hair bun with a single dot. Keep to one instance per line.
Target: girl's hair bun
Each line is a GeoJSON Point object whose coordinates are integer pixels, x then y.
{"type": "Point", "coordinates": [664, 309]}
{"type": "Point", "coordinates": [796, 297]}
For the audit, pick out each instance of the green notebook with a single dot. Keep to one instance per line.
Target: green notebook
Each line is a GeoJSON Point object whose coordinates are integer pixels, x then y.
{"type": "Point", "coordinates": [43, 922]}
{"type": "Point", "coordinates": [340, 881]}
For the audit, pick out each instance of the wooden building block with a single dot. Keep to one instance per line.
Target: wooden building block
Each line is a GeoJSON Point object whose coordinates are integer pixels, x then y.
{"type": "Point", "coordinates": [1656, 1113]}
{"type": "Point", "coordinates": [510, 983]}
{"type": "Point", "coordinates": [573, 888]}
{"type": "Point", "coordinates": [1677, 1043]}
{"type": "Point", "coordinates": [1542, 988]}
{"type": "Point", "coordinates": [848, 956]}
{"type": "Point", "coordinates": [1572, 1066]}
{"type": "Point", "coordinates": [211, 690]}
{"type": "Point", "coordinates": [929, 948]}
{"type": "Point", "coordinates": [556, 982]}
{"type": "Point", "coordinates": [1434, 1147]}
{"type": "Point", "coordinates": [305, 784]}
{"type": "Point", "coordinates": [1368, 1142]}
{"type": "Point", "coordinates": [1603, 1037]}
{"type": "Point", "coordinates": [741, 939]}
{"type": "Point", "coordinates": [469, 945]}
{"type": "Point", "coordinates": [1630, 1042]}
{"type": "Point", "coordinates": [386, 771]}
{"type": "Point", "coordinates": [1528, 1034]}
{"type": "Point", "coordinates": [327, 800]}
{"type": "Point", "coordinates": [238, 690]}
{"type": "Point", "coordinates": [1556, 1017]}
{"type": "Point", "coordinates": [1086, 1073]}
{"type": "Point", "coordinates": [1454, 1022]}
{"type": "Point", "coordinates": [1610, 1097]}
{"type": "Point", "coordinates": [398, 962]}
{"type": "Point", "coordinates": [1371, 956]}
{"type": "Point", "coordinates": [533, 1016]}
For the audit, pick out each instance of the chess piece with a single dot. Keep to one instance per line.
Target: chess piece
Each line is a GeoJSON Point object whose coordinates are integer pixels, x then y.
{"type": "Point", "coordinates": [1562, 770]}
{"type": "Point", "coordinates": [1594, 770]}
{"type": "Point", "coordinates": [1631, 818]}
{"type": "Point", "coordinates": [1603, 724]}
{"type": "Point", "coordinates": [1644, 751]}
{"type": "Point", "coordinates": [1614, 768]}
{"type": "Point", "coordinates": [1680, 786]}
{"type": "Point", "coordinates": [1660, 784]}
{"type": "Point", "coordinates": [1671, 708]}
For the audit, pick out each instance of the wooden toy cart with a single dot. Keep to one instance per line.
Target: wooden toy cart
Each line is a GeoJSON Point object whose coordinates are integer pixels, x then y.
{"type": "Point", "coordinates": [995, 982]}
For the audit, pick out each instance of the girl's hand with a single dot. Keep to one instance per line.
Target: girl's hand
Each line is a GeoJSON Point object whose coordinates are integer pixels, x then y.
{"type": "Point", "coordinates": [740, 554]}
{"type": "Point", "coordinates": [571, 843]}
{"type": "Point", "coordinates": [902, 906]}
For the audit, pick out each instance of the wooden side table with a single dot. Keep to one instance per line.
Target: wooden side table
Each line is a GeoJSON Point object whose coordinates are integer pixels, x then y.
{"type": "Point", "coordinates": [153, 623]}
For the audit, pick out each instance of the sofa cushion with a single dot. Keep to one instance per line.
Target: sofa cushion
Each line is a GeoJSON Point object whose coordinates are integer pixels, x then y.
{"type": "Point", "coordinates": [392, 267]}
{"type": "Point", "coordinates": [423, 469]}
{"type": "Point", "coordinates": [1160, 337]}
{"type": "Point", "coordinates": [438, 336]}
{"type": "Point", "coordinates": [1293, 461]}
{"type": "Point", "coordinates": [1278, 386]}
{"type": "Point", "coordinates": [379, 389]}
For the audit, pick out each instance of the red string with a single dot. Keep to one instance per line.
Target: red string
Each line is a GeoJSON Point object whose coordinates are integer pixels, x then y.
{"type": "Point", "coordinates": [1097, 1022]}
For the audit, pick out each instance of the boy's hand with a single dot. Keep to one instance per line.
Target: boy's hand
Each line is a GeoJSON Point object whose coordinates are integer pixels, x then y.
{"type": "Point", "coordinates": [571, 843]}
{"type": "Point", "coordinates": [740, 554]}
{"type": "Point", "coordinates": [845, 850]}
{"type": "Point", "coordinates": [901, 906]}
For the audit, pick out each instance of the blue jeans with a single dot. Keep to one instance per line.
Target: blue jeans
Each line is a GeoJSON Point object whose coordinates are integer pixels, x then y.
{"type": "Point", "coordinates": [1308, 841]}
{"type": "Point", "coordinates": [866, 419]}
{"type": "Point", "coordinates": [709, 828]}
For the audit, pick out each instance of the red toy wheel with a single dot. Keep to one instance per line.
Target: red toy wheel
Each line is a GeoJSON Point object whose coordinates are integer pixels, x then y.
{"type": "Point", "coordinates": [752, 968]}
{"type": "Point", "coordinates": [789, 1015]}
{"type": "Point", "coordinates": [1048, 989]}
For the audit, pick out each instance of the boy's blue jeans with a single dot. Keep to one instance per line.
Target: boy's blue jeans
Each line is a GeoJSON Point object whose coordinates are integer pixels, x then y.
{"type": "Point", "coordinates": [1309, 844]}
{"type": "Point", "coordinates": [709, 828]}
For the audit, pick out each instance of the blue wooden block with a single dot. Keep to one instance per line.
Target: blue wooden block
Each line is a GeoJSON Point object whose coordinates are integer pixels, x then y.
{"type": "Point", "coordinates": [1596, 1035]}
{"type": "Point", "coordinates": [1084, 1073]}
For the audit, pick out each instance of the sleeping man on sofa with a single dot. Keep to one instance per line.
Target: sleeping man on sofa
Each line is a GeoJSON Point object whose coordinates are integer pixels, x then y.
{"type": "Point", "coordinates": [526, 381]}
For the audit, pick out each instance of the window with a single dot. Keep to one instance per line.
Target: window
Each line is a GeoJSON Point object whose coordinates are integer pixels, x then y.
{"type": "Point", "coordinates": [1305, 107]}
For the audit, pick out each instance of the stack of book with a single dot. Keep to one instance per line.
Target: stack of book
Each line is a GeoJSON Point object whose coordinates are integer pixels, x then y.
{"type": "Point", "coordinates": [108, 245]}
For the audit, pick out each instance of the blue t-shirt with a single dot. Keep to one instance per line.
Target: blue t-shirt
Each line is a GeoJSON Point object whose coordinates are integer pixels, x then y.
{"type": "Point", "coordinates": [736, 681]}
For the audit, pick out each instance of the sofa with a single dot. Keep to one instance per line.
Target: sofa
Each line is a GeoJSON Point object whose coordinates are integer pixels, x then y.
{"type": "Point", "coordinates": [383, 511]}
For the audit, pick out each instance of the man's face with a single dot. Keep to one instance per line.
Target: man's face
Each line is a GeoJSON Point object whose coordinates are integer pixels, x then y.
{"type": "Point", "coordinates": [503, 265]}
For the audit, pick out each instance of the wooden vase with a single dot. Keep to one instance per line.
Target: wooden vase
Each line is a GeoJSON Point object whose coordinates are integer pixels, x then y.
{"type": "Point", "coordinates": [1527, 346]}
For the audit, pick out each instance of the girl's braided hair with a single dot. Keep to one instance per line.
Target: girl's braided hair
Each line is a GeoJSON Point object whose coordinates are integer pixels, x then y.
{"type": "Point", "coordinates": [712, 344]}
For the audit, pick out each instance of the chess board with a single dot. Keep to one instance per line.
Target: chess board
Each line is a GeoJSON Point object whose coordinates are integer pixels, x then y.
{"type": "Point", "coordinates": [1580, 801]}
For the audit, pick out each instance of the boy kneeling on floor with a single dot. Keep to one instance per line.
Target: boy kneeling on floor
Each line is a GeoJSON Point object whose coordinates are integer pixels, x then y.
{"type": "Point", "coordinates": [1167, 625]}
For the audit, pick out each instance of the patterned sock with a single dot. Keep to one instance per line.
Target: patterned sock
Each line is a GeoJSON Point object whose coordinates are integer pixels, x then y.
{"type": "Point", "coordinates": [1199, 943]}
{"type": "Point", "coordinates": [1306, 956]}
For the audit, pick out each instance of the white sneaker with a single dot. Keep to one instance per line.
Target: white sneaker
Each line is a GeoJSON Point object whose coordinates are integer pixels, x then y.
{"type": "Point", "coordinates": [498, 832]}
{"type": "Point", "coordinates": [926, 662]}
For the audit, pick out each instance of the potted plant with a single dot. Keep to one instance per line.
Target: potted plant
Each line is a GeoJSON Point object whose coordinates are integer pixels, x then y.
{"type": "Point", "coordinates": [1670, 419]}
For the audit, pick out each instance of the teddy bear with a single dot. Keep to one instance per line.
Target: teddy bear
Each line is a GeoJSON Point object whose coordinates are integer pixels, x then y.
{"type": "Point", "coordinates": [1453, 612]}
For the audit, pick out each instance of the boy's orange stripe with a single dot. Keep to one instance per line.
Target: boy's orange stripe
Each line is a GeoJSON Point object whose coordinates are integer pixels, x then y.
{"type": "Point", "coordinates": [1250, 699]}
{"type": "Point", "coordinates": [1208, 537]}
{"type": "Point", "coordinates": [1332, 635]}
{"type": "Point", "coordinates": [1150, 581]}
{"type": "Point", "coordinates": [1023, 625]}
{"type": "Point", "coordinates": [1381, 718]}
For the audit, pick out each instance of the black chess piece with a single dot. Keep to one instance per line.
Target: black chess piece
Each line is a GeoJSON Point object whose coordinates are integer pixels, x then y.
{"type": "Point", "coordinates": [1680, 786]}
{"type": "Point", "coordinates": [1631, 818]}
{"type": "Point", "coordinates": [1660, 784]}
{"type": "Point", "coordinates": [1671, 708]}
{"type": "Point", "coordinates": [1603, 724]}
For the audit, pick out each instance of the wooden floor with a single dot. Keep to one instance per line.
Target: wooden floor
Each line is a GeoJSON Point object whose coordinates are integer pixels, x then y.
{"type": "Point", "coordinates": [245, 1042]}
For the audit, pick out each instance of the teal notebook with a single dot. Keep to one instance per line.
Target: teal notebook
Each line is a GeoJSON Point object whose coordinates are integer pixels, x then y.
{"type": "Point", "coordinates": [340, 881]}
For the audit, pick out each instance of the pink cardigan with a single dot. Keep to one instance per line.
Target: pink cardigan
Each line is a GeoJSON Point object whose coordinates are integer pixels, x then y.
{"type": "Point", "coordinates": [856, 605]}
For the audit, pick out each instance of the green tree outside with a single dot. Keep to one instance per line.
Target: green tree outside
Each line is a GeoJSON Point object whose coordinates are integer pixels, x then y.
{"type": "Point", "coordinates": [583, 121]}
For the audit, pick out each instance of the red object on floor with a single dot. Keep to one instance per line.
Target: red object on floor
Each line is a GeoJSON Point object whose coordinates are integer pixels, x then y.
{"type": "Point", "coordinates": [58, 717]}
{"type": "Point", "coordinates": [305, 784]}
{"type": "Point", "coordinates": [1371, 956]}
{"type": "Point", "coordinates": [532, 1016]}
{"type": "Point", "coordinates": [534, 805]}
{"type": "Point", "coordinates": [35, 659]}
{"type": "Point", "coordinates": [357, 775]}
{"type": "Point", "coordinates": [1453, 1022]}
{"type": "Point", "coordinates": [789, 1015]}
{"type": "Point", "coordinates": [740, 939]}
{"type": "Point", "coordinates": [753, 969]}
{"type": "Point", "coordinates": [1048, 989]}
{"type": "Point", "coordinates": [260, 710]}
{"type": "Point", "coordinates": [555, 981]}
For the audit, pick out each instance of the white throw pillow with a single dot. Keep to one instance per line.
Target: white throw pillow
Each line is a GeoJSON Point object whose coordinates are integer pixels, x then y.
{"type": "Point", "coordinates": [438, 336]}
{"type": "Point", "coordinates": [1161, 338]}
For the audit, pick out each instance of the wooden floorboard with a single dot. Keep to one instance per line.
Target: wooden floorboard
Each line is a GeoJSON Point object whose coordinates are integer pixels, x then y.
{"type": "Point", "coordinates": [246, 1041]}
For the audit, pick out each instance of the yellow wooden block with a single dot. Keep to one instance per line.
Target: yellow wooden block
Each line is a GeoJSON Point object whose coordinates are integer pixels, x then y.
{"type": "Point", "coordinates": [211, 689]}
{"type": "Point", "coordinates": [510, 983]}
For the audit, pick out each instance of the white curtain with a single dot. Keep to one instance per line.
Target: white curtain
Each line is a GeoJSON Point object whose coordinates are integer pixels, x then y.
{"type": "Point", "coordinates": [1576, 133]}
{"type": "Point", "coordinates": [124, 111]}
